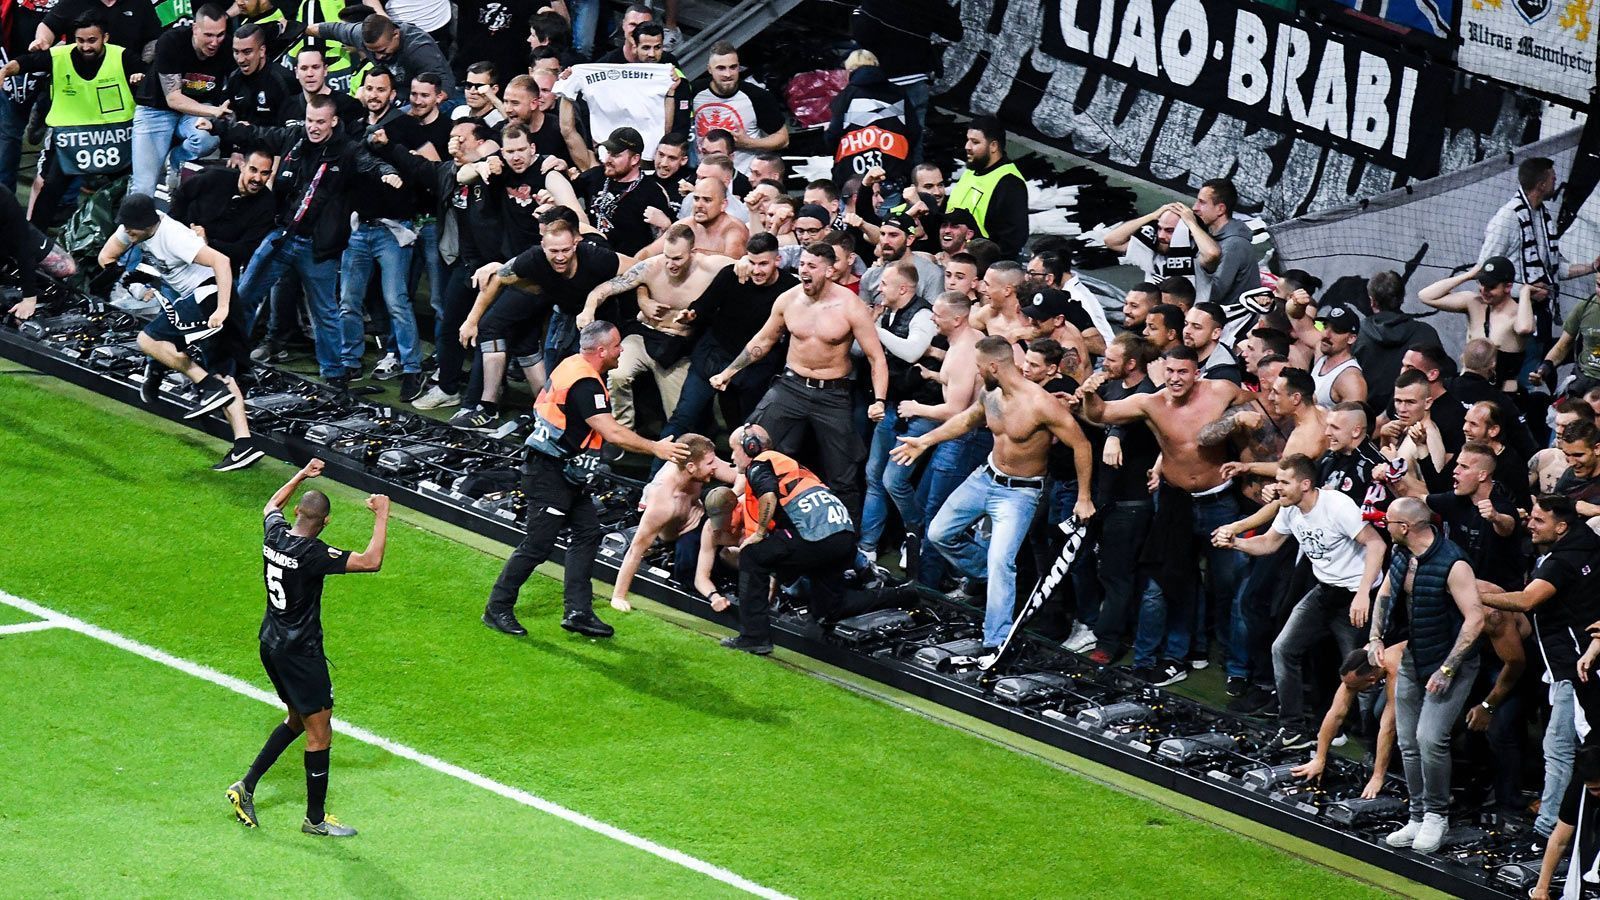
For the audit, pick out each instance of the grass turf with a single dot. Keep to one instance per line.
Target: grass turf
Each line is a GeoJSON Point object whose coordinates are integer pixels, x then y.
{"type": "Point", "coordinates": [785, 779]}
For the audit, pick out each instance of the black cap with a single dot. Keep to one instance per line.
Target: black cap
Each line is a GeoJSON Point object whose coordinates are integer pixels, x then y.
{"type": "Point", "coordinates": [901, 221]}
{"type": "Point", "coordinates": [960, 217]}
{"type": "Point", "coordinates": [815, 211]}
{"type": "Point", "coordinates": [1340, 318]}
{"type": "Point", "coordinates": [1496, 270]}
{"type": "Point", "coordinates": [624, 139]}
{"type": "Point", "coordinates": [138, 211]}
{"type": "Point", "coordinates": [1046, 303]}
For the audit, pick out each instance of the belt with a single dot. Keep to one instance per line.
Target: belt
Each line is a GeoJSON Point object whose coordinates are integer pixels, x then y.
{"type": "Point", "coordinates": [1012, 481]}
{"type": "Point", "coordinates": [1208, 492]}
{"type": "Point", "coordinates": [821, 384]}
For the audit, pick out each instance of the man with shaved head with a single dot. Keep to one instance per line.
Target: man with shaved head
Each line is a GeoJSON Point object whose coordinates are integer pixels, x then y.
{"type": "Point", "coordinates": [295, 561]}
{"type": "Point", "coordinates": [715, 231]}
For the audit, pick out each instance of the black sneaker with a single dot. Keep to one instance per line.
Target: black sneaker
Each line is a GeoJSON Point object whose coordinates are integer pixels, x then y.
{"type": "Point", "coordinates": [587, 624]}
{"type": "Point", "coordinates": [1255, 699]}
{"type": "Point", "coordinates": [504, 622]}
{"type": "Point", "coordinates": [243, 453]}
{"type": "Point", "coordinates": [150, 388]}
{"type": "Point", "coordinates": [360, 390]}
{"type": "Point", "coordinates": [1145, 673]}
{"type": "Point", "coordinates": [742, 643]}
{"type": "Point", "coordinates": [1237, 685]}
{"type": "Point", "coordinates": [1291, 739]}
{"type": "Point", "coordinates": [213, 395]}
{"type": "Point", "coordinates": [475, 419]}
{"type": "Point", "coordinates": [1170, 671]}
{"type": "Point", "coordinates": [913, 557]}
{"type": "Point", "coordinates": [411, 386]}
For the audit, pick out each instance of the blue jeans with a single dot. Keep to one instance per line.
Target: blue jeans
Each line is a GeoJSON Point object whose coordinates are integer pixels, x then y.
{"type": "Point", "coordinates": [426, 259]}
{"type": "Point", "coordinates": [152, 145]}
{"type": "Point", "coordinates": [1174, 620]}
{"type": "Point", "coordinates": [952, 462]}
{"type": "Point", "coordinates": [1010, 513]}
{"type": "Point", "coordinates": [278, 254]}
{"type": "Point", "coordinates": [369, 244]}
{"type": "Point", "coordinates": [585, 16]}
{"type": "Point", "coordinates": [875, 511]}
{"type": "Point", "coordinates": [560, 339]}
{"type": "Point", "coordinates": [1560, 752]}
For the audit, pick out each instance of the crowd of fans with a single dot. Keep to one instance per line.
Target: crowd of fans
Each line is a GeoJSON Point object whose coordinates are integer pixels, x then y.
{"type": "Point", "coordinates": [1318, 497]}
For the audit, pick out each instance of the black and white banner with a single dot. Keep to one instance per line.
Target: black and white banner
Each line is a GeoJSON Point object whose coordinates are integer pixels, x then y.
{"type": "Point", "coordinates": [1178, 91]}
{"type": "Point", "coordinates": [1546, 45]}
{"type": "Point", "coordinates": [1428, 231]}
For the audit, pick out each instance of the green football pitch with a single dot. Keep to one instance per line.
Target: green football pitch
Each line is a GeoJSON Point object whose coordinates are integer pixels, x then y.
{"type": "Point", "coordinates": [654, 764]}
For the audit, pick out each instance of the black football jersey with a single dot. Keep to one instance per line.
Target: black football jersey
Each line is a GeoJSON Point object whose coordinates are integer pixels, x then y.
{"type": "Point", "coordinates": [293, 567]}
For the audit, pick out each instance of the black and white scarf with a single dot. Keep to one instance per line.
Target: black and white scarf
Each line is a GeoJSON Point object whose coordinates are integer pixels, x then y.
{"type": "Point", "coordinates": [1539, 250]}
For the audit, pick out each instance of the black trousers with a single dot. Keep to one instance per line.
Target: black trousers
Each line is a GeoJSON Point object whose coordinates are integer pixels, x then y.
{"type": "Point", "coordinates": [554, 504]}
{"type": "Point", "coordinates": [790, 409]}
{"type": "Point", "coordinates": [787, 557]}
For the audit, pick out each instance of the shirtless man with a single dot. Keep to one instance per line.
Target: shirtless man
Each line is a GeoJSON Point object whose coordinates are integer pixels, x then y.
{"type": "Point", "coordinates": [1490, 312]}
{"type": "Point", "coordinates": [1290, 398]}
{"type": "Point", "coordinates": [672, 282]}
{"type": "Point", "coordinates": [1193, 499]}
{"type": "Point", "coordinates": [1006, 490]}
{"type": "Point", "coordinates": [672, 512]}
{"type": "Point", "coordinates": [822, 319]}
{"type": "Point", "coordinates": [1549, 464]}
{"type": "Point", "coordinates": [1001, 313]}
{"type": "Point", "coordinates": [958, 380]}
{"type": "Point", "coordinates": [714, 230]}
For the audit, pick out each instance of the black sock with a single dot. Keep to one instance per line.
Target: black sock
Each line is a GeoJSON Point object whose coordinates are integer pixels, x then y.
{"type": "Point", "coordinates": [316, 784]}
{"type": "Point", "coordinates": [277, 742]}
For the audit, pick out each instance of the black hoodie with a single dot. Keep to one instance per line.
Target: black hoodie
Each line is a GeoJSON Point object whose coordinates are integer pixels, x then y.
{"type": "Point", "coordinates": [872, 125]}
{"type": "Point", "coordinates": [1572, 567]}
{"type": "Point", "coordinates": [1385, 338]}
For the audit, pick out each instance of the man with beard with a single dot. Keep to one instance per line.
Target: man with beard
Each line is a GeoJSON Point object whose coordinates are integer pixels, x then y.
{"type": "Point", "coordinates": [1006, 490]}
{"type": "Point", "coordinates": [258, 89]}
{"type": "Point", "coordinates": [617, 193]}
{"type": "Point", "coordinates": [425, 129]}
{"type": "Point", "coordinates": [814, 392]}
{"type": "Point", "coordinates": [732, 310]}
{"type": "Point", "coordinates": [230, 209]}
{"type": "Point", "coordinates": [1141, 299]}
{"type": "Point", "coordinates": [744, 110]}
{"type": "Point", "coordinates": [1202, 333]}
{"type": "Point", "coordinates": [1336, 370]}
{"type": "Point", "coordinates": [894, 244]}
{"type": "Point", "coordinates": [1490, 311]}
{"type": "Point", "coordinates": [1164, 243]}
{"type": "Point", "coordinates": [672, 510]}
{"type": "Point", "coordinates": [671, 282]}
{"type": "Point", "coordinates": [715, 231]}
{"type": "Point", "coordinates": [992, 188]}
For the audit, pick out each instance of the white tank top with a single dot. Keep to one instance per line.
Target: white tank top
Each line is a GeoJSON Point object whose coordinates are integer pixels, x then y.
{"type": "Point", "coordinates": [1325, 382]}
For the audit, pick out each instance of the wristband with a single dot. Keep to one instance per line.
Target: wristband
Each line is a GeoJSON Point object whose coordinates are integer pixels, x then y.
{"type": "Point", "coordinates": [1486, 707]}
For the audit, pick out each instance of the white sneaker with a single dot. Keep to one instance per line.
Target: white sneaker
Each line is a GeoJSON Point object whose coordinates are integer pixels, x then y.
{"type": "Point", "coordinates": [387, 368]}
{"type": "Point", "coordinates": [1081, 640]}
{"type": "Point", "coordinates": [1405, 837]}
{"type": "Point", "coordinates": [435, 398]}
{"type": "Point", "coordinates": [1431, 835]}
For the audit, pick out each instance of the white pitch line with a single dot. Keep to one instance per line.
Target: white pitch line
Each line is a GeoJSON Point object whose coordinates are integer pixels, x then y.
{"type": "Point", "coordinates": [25, 627]}
{"type": "Point", "coordinates": [53, 619]}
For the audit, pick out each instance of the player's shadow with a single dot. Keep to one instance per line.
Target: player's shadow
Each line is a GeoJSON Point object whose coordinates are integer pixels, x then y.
{"type": "Point", "coordinates": [660, 676]}
{"type": "Point", "coordinates": [93, 455]}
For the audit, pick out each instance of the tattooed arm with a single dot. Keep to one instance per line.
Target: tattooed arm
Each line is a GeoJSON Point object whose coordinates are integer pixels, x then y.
{"type": "Point", "coordinates": [624, 282]}
{"type": "Point", "coordinates": [759, 346]}
{"type": "Point", "coordinates": [1464, 589]}
{"type": "Point", "coordinates": [1218, 432]}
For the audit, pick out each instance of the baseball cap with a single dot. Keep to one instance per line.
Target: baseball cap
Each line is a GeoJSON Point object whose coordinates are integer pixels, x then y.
{"type": "Point", "coordinates": [901, 221]}
{"type": "Point", "coordinates": [1340, 318]}
{"type": "Point", "coordinates": [138, 211]}
{"type": "Point", "coordinates": [960, 217]}
{"type": "Point", "coordinates": [623, 139]}
{"type": "Point", "coordinates": [814, 211]}
{"type": "Point", "coordinates": [1047, 303]}
{"type": "Point", "coordinates": [1496, 271]}
{"type": "Point", "coordinates": [719, 503]}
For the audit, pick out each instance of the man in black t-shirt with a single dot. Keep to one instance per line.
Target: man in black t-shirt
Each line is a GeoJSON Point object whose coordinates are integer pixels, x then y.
{"type": "Point", "coordinates": [257, 90]}
{"type": "Point", "coordinates": [617, 193]}
{"type": "Point", "coordinates": [732, 312]}
{"type": "Point", "coordinates": [425, 129]}
{"type": "Point", "coordinates": [186, 84]}
{"type": "Point", "coordinates": [563, 270]}
{"type": "Point", "coordinates": [1581, 482]}
{"type": "Point", "coordinates": [572, 422]}
{"type": "Point", "coordinates": [311, 72]}
{"type": "Point", "coordinates": [294, 563]}
{"type": "Point", "coordinates": [130, 24]}
{"type": "Point", "coordinates": [1479, 516]}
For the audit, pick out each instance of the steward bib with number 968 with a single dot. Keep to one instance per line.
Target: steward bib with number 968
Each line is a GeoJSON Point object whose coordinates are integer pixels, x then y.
{"type": "Point", "coordinates": [91, 120]}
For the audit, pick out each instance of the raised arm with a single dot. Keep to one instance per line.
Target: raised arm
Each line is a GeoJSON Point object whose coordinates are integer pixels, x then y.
{"type": "Point", "coordinates": [1524, 322]}
{"type": "Point", "coordinates": [371, 559]}
{"type": "Point", "coordinates": [1442, 293]}
{"type": "Point", "coordinates": [311, 470]}
{"type": "Point", "coordinates": [1118, 238]}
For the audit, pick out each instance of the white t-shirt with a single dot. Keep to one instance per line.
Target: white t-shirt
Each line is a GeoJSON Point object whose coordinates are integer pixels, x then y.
{"type": "Point", "coordinates": [429, 15]}
{"type": "Point", "coordinates": [1327, 537]}
{"type": "Point", "coordinates": [1178, 260]}
{"type": "Point", "coordinates": [632, 94]}
{"type": "Point", "coordinates": [492, 119]}
{"type": "Point", "coordinates": [171, 252]}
